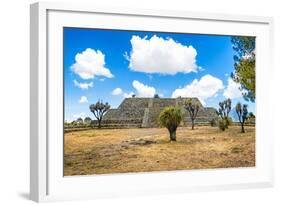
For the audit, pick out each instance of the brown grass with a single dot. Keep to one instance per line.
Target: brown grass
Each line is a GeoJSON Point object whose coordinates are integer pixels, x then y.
{"type": "Point", "coordinates": [148, 149]}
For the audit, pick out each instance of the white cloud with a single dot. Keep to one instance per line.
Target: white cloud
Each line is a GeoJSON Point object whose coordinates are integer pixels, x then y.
{"type": "Point", "coordinates": [232, 90]}
{"type": "Point", "coordinates": [83, 86]}
{"type": "Point", "coordinates": [128, 95]}
{"type": "Point", "coordinates": [83, 99]}
{"type": "Point", "coordinates": [206, 87]}
{"type": "Point", "coordinates": [117, 91]}
{"type": "Point", "coordinates": [90, 63]}
{"type": "Point", "coordinates": [143, 90]}
{"type": "Point", "coordinates": [164, 56]}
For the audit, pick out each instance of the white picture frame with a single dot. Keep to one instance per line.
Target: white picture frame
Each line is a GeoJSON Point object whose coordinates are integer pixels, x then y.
{"type": "Point", "coordinates": [47, 182]}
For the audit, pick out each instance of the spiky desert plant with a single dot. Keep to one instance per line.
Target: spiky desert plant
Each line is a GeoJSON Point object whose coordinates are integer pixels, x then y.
{"type": "Point", "coordinates": [242, 112]}
{"type": "Point", "coordinates": [193, 109]}
{"type": "Point", "coordinates": [223, 112]}
{"type": "Point", "coordinates": [99, 109]}
{"type": "Point", "coordinates": [171, 118]}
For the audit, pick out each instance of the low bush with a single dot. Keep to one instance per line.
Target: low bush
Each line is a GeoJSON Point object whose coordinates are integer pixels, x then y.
{"type": "Point", "coordinates": [221, 124]}
{"type": "Point", "coordinates": [213, 123]}
{"type": "Point", "coordinates": [228, 121]}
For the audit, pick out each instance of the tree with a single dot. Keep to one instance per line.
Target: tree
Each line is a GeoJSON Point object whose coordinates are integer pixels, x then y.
{"type": "Point", "coordinates": [244, 65]}
{"type": "Point", "coordinates": [99, 109]}
{"type": "Point", "coordinates": [73, 123]}
{"type": "Point", "coordinates": [193, 109]}
{"type": "Point", "coordinates": [223, 112]}
{"type": "Point", "coordinates": [242, 112]}
{"type": "Point", "coordinates": [87, 120]}
{"type": "Point", "coordinates": [251, 115]}
{"type": "Point", "coordinates": [251, 118]}
{"type": "Point", "coordinates": [170, 118]}
{"type": "Point", "coordinates": [156, 96]}
{"type": "Point", "coordinates": [79, 120]}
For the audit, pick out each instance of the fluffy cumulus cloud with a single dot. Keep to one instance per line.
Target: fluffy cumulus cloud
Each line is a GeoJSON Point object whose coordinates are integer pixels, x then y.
{"type": "Point", "coordinates": [159, 55]}
{"type": "Point", "coordinates": [128, 95]}
{"type": "Point", "coordinates": [232, 90]}
{"type": "Point", "coordinates": [83, 99]}
{"type": "Point", "coordinates": [117, 91]}
{"type": "Point", "coordinates": [83, 86]}
{"type": "Point", "coordinates": [143, 90]}
{"type": "Point", "coordinates": [206, 87]}
{"type": "Point", "coordinates": [90, 63]}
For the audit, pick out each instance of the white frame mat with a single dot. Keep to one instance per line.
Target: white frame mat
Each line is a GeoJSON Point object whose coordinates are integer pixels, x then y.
{"type": "Point", "coordinates": [47, 182]}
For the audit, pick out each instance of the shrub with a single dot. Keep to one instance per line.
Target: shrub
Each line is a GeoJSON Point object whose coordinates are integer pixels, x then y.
{"type": "Point", "coordinates": [213, 123]}
{"type": "Point", "coordinates": [221, 124]}
{"type": "Point", "coordinates": [223, 112]}
{"type": "Point", "coordinates": [171, 118]}
{"type": "Point", "coordinates": [228, 121]}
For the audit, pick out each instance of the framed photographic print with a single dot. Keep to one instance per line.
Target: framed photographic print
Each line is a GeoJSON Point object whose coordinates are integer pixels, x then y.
{"type": "Point", "coordinates": [129, 102]}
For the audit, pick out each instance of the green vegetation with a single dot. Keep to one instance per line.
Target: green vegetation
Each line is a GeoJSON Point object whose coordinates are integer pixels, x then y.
{"type": "Point", "coordinates": [87, 120]}
{"type": "Point", "coordinates": [170, 118]}
{"type": "Point", "coordinates": [242, 112]}
{"type": "Point", "coordinates": [223, 112]}
{"type": "Point", "coordinates": [193, 109]}
{"type": "Point", "coordinates": [99, 109]}
{"type": "Point", "coordinates": [221, 124]}
{"type": "Point", "coordinates": [79, 121]}
{"type": "Point", "coordinates": [244, 66]}
{"type": "Point", "coordinates": [213, 123]}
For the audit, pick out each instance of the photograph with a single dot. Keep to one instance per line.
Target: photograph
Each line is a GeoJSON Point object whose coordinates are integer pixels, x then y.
{"type": "Point", "coordinates": [145, 101]}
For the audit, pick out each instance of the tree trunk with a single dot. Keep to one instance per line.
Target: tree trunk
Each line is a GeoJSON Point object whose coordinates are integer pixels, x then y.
{"type": "Point", "coordinates": [192, 125]}
{"type": "Point", "coordinates": [242, 128]}
{"type": "Point", "coordinates": [226, 123]}
{"type": "Point", "coordinates": [99, 123]}
{"type": "Point", "coordinates": [173, 136]}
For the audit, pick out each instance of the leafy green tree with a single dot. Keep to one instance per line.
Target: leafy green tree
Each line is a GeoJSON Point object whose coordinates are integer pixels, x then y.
{"type": "Point", "coordinates": [242, 112]}
{"type": "Point", "coordinates": [99, 109]}
{"type": "Point", "coordinates": [171, 118]}
{"type": "Point", "coordinates": [193, 109]}
{"type": "Point", "coordinates": [223, 112]}
{"type": "Point", "coordinates": [251, 118]}
{"type": "Point", "coordinates": [251, 115]}
{"type": "Point", "coordinates": [244, 65]}
{"type": "Point", "coordinates": [79, 120]}
{"type": "Point", "coordinates": [73, 123]}
{"type": "Point", "coordinates": [87, 120]}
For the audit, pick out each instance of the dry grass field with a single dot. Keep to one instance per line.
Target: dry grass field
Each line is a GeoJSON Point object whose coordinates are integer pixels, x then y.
{"type": "Point", "coordinates": [106, 151]}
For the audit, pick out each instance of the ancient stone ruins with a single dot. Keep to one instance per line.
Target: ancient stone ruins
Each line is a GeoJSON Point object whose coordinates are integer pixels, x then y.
{"type": "Point", "coordinates": [144, 112]}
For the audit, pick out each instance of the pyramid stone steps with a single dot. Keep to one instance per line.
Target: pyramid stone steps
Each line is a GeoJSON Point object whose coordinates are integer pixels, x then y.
{"type": "Point", "coordinates": [144, 112]}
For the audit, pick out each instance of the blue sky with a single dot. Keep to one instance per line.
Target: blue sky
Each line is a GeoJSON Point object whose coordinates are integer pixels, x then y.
{"type": "Point", "coordinates": [112, 64]}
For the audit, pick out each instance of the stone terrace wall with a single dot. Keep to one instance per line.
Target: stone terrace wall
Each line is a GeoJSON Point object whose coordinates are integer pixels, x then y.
{"type": "Point", "coordinates": [134, 103]}
{"type": "Point", "coordinates": [144, 112]}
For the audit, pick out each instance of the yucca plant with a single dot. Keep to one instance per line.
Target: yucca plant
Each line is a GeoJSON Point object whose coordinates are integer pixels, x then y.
{"type": "Point", "coordinates": [171, 118]}
{"type": "Point", "coordinates": [242, 112]}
